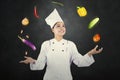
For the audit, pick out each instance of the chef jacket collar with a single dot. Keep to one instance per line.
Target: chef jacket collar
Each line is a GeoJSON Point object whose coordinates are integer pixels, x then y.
{"type": "Point", "coordinates": [54, 40]}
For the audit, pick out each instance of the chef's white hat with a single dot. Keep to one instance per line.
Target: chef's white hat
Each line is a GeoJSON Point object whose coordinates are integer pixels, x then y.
{"type": "Point", "coordinates": [53, 18]}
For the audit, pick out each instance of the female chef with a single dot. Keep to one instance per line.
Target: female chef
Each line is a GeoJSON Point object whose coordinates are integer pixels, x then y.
{"type": "Point", "coordinates": [58, 53]}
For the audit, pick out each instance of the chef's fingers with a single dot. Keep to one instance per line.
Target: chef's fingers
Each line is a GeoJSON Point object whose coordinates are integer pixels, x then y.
{"type": "Point", "coordinates": [96, 47]}
{"type": "Point", "coordinates": [100, 49]}
{"type": "Point", "coordinates": [26, 57]}
{"type": "Point", "coordinates": [24, 61]}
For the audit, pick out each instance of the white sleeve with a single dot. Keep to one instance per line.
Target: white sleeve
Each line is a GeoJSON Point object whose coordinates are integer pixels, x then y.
{"type": "Point", "coordinates": [41, 60]}
{"type": "Point", "coordinates": [80, 60]}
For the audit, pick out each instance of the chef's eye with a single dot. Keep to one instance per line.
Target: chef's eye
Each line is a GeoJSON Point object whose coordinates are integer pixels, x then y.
{"type": "Point", "coordinates": [58, 26]}
{"type": "Point", "coordinates": [63, 26]}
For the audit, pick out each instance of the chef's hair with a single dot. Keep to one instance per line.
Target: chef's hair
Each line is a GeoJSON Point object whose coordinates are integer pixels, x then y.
{"type": "Point", "coordinates": [54, 25]}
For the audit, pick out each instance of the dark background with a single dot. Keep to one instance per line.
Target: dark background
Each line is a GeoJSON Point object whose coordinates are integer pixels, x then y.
{"type": "Point", "coordinates": [12, 50]}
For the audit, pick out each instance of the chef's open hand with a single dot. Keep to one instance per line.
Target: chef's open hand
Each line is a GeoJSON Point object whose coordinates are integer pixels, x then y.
{"type": "Point", "coordinates": [95, 51]}
{"type": "Point", "coordinates": [28, 60]}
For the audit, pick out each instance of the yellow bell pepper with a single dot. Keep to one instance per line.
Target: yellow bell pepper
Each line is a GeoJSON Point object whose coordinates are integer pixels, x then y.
{"type": "Point", "coordinates": [81, 11]}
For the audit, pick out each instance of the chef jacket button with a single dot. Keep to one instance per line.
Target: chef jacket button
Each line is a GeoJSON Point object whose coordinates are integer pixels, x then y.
{"type": "Point", "coordinates": [62, 50]}
{"type": "Point", "coordinates": [62, 43]}
{"type": "Point", "coordinates": [52, 49]}
{"type": "Point", "coordinates": [53, 42]}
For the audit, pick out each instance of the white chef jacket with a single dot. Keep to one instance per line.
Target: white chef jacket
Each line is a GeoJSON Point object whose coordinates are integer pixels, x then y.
{"type": "Point", "coordinates": [58, 56]}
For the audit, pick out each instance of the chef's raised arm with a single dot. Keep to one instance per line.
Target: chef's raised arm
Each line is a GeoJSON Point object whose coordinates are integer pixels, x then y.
{"type": "Point", "coordinates": [39, 64]}
{"type": "Point", "coordinates": [78, 59]}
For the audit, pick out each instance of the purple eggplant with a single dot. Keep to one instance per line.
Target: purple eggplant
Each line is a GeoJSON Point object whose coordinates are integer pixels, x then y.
{"type": "Point", "coordinates": [28, 43]}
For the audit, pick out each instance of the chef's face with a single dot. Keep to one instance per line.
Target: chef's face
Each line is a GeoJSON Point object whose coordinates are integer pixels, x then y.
{"type": "Point", "coordinates": [59, 29]}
